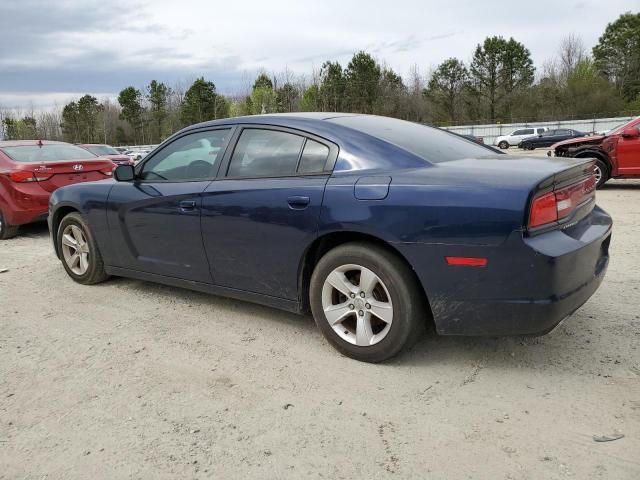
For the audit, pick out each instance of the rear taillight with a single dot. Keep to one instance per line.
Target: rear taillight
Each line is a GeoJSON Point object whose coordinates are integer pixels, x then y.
{"type": "Point", "coordinates": [23, 176]}
{"type": "Point", "coordinates": [557, 205]}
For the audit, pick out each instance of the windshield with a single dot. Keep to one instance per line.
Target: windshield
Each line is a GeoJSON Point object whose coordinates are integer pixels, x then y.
{"type": "Point", "coordinates": [618, 128]}
{"type": "Point", "coordinates": [429, 143]}
{"type": "Point", "coordinates": [102, 150]}
{"type": "Point", "coordinates": [46, 153]}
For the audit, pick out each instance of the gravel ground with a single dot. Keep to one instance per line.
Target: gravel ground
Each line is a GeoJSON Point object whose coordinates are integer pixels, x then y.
{"type": "Point", "coordinates": [134, 380]}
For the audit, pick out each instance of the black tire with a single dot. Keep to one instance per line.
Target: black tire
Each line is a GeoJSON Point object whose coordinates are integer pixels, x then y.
{"type": "Point", "coordinates": [7, 231]}
{"type": "Point", "coordinates": [503, 145]}
{"type": "Point", "coordinates": [409, 313]}
{"type": "Point", "coordinates": [604, 173]}
{"type": "Point", "coordinates": [95, 273]}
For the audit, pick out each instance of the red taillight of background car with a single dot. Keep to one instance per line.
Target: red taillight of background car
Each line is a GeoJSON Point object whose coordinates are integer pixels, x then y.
{"type": "Point", "coordinates": [23, 176]}
{"type": "Point", "coordinates": [557, 205]}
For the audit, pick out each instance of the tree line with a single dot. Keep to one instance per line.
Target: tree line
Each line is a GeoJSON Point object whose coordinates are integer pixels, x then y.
{"type": "Point", "coordinates": [498, 84]}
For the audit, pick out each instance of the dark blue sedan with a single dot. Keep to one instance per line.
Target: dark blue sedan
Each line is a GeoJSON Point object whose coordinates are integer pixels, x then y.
{"type": "Point", "coordinates": [377, 226]}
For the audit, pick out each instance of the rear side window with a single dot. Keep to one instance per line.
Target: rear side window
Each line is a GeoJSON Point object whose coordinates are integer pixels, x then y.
{"type": "Point", "coordinates": [314, 157]}
{"type": "Point", "coordinates": [46, 153]}
{"type": "Point", "coordinates": [265, 153]}
{"type": "Point", "coordinates": [431, 144]}
{"type": "Point", "coordinates": [540, 130]}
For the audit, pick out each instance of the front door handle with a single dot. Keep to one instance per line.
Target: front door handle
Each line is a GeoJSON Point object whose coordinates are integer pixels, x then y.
{"type": "Point", "coordinates": [298, 202]}
{"type": "Point", "coordinates": [187, 204]}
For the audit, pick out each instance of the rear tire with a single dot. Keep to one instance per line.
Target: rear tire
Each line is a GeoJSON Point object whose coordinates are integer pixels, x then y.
{"type": "Point", "coordinates": [503, 145]}
{"type": "Point", "coordinates": [378, 308]}
{"type": "Point", "coordinates": [79, 252]}
{"type": "Point", "coordinates": [7, 231]}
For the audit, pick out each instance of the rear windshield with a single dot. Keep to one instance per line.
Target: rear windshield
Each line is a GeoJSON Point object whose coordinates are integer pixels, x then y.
{"type": "Point", "coordinates": [429, 143]}
{"type": "Point", "coordinates": [102, 150]}
{"type": "Point", "coordinates": [46, 153]}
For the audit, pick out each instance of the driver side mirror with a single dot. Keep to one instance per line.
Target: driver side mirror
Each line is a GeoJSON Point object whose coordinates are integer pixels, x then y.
{"type": "Point", "coordinates": [124, 173]}
{"type": "Point", "coordinates": [631, 132]}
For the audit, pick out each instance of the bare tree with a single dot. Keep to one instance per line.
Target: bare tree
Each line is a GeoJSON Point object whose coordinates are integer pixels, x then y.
{"type": "Point", "coordinates": [571, 52]}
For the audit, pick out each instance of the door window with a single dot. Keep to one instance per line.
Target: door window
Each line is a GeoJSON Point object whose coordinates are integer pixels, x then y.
{"type": "Point", "coordinates": [265, 153]}
{"type": "Point", "coordinates": [314, 157]}
{"type": "Point", "coordinates": [540, 130]}
{"type": "Point", "coordinates": [194, 157]}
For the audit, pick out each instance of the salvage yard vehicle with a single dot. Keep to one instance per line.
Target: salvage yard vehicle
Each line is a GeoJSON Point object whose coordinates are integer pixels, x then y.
{"type": "Point", "coordinates": [375, 225]}
{"type": "Point", "coordinates": [31, 169]}
{"type": "Point", "coordinates": [517, 136]}
{"type": "Point", "coordinates": [617, 152]}
{"type": "Point", "coordinates": [548, 138]}
{"type": "Point", "coordinates": [109, 152]}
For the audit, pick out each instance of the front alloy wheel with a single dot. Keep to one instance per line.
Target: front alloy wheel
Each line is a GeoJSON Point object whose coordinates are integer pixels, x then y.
{"type": "Point", "coordinates": [75, 249]}
{"type": "Point", "coordinates": [78, 251]}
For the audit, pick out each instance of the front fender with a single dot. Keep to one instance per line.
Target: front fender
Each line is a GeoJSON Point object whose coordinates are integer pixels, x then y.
{"type": "Point", "coordinates": [90, 200]}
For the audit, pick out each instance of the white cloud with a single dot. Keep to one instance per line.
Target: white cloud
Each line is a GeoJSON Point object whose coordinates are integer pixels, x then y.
{"type": "Point", "coordinates": [77, 47]}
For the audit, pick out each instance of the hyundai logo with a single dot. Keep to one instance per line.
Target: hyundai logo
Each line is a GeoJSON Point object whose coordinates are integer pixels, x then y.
{"type": "Point", "coordinates": [78, 167]}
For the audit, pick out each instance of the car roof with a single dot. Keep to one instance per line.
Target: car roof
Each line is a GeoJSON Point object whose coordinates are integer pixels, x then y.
{"type": "Point", "coordinates": [23, 143]}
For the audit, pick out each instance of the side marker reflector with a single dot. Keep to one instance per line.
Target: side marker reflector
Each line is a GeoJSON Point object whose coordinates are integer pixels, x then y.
{"type": "Point", "coordinates": [467, 261]}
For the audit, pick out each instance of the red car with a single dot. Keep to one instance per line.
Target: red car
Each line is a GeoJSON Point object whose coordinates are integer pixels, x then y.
{"type": "Point", "coordinates": [30, 170]}
{"type": "Point", "coordinates": [617, 152]}
{"type": "Point", "coordinates": [108, 152]}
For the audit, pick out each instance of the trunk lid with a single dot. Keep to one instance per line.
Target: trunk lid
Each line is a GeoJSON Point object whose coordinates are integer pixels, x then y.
{"type": "Point", "coordinates": [55, 174]}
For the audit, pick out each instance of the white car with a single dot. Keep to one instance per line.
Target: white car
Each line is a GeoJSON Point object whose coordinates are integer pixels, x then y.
{"type": "Point", "coordinates": [515, 137]}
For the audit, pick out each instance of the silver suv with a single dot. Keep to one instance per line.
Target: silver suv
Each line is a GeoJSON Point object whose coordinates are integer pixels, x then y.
{"type": "Point", "coordinates": [515, 137]}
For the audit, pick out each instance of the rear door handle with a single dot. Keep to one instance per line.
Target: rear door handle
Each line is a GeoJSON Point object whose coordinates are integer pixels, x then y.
{"type": "Point", "coordinates": [187, 204]}
{"type": "Point", "coordinates": [298, 202]}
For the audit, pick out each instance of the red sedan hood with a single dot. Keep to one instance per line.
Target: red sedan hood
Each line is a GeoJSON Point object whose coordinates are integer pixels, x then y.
{"type": "Point", "coordinates": [571, 141]}
{"type": "Point", "coordinates": [117, 158]}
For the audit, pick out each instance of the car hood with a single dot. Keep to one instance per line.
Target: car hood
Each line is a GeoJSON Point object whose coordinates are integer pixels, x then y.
{"type": "Point", "coordinates": [591, 139]}
{"type": "Point", "coordinates": [118, 158]}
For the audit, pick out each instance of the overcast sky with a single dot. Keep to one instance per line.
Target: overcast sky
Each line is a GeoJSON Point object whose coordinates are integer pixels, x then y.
{"type": "Point", "coordinates": [53, 51]}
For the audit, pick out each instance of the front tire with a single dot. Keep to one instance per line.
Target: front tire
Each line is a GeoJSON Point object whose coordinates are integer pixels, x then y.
{"type": "Point", "coordinates": [79, 252]}
{"type": "Point", "coordinates": [503, 145]}
{"type": "Point", "coordinates": [601, 172]}
{"type": "Point", "coordinates": [366, 302]}
{"type": "Point", "coordinates": [7, 231]}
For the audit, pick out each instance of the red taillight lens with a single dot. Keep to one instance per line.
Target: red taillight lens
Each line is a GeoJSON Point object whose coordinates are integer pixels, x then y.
{"type": "Point", "coordinates": [20, 176]}
{"type": "Point", "coordinates": [559, 204]}
{"type": "Point", "coordinates": [23, 176]}
{"type": "Point", "coordinates": [543, 210]}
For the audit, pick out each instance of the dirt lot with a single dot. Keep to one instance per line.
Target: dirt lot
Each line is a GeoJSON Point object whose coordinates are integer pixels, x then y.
{"type": "Point", "coordinates": [133, 380]}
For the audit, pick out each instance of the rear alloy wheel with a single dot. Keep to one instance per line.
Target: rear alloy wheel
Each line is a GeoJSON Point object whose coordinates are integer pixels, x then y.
{"type": "Point", "coordinates": [601, 172]}
{"type": "Point", "coordinates": [366, 302]}
{"type": "Point", "coordinates": [7, 231]}
{"type": "Point", "coordinates": [78, 251]}
{"type": "Point", "coordinates": [503, 145]}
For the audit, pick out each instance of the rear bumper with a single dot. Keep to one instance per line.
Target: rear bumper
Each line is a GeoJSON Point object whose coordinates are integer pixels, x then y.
{"type": "Point", "coordinates": [529, 285]}
{"type": "Point", "coordinates": [24, 203]}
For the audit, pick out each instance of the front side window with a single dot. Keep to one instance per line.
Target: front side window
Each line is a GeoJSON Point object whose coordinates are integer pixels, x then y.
{"type": "Point", "coordinates": [519, 132]}
{"type": "Point", "coordinates": [191, 158]}
{"type": "Point", "coordinates": [265, 153]}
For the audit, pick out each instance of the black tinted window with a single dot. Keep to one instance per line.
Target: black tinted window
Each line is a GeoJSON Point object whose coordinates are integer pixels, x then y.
{"type": "Point", "coordinates": [431, 144]}
{"type": "Point", "coordinates": [314, 157]}
{"type": "Point", "coordinates": [190, 158]}
{"type": "Point", "coordinates": [265, 153]}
